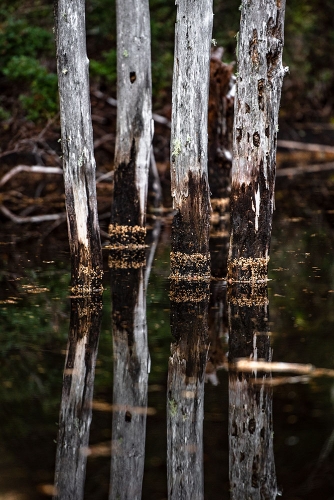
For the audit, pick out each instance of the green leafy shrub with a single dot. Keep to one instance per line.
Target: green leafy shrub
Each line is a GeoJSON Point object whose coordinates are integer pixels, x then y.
{"type": "Point", "coordinates": [41, 99]}
{"type": "Point", "coordinates": [21, 47]}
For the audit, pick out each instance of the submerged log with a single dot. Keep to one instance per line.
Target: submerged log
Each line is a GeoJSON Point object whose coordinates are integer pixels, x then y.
{"type": "Point", "coordinates": [134, 122]}
{"type": "Point", "coordinates": [189, 179]}
{"type": "Point", "coordinates": [259, 81]}
{"type": "Point", "coordinates": [251, 453]}
{"type": "Point", "coordinates": [77, 147]}
{"type": "Point", "coordinates": [77, 395]}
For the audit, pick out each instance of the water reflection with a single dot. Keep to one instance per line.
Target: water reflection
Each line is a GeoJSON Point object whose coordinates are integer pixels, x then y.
{"type": "Point", "coordinates": [77, 394]}
{"type": "Point", "coordinates": [251, 454]}
{"type": "Point", "coordinates": [129, 278]}
{"type": "Point", "coordinates": [185, 396]}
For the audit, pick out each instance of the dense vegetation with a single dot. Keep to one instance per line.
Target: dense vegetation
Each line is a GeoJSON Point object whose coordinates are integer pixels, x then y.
{"type": "Point", "coordinates": [27, 54]}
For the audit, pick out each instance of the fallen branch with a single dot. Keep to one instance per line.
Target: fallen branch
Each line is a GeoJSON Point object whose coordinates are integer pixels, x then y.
{"type": "Point", "coordinates": [304, 146]}
{"type": "Point", "coordinates": [306, 169]}
{"type": "Point", "coordinates": [113, 102]}
{"type": "Point", "coordinates": [245, 365]}
{"type": "Point", "coordinates": [35, 169]}
{"type": "Point", "coordinates": [32, 219]}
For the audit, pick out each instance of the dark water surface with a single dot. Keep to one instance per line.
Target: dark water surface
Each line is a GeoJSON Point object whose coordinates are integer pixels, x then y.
{"type": "Point", "coordinates": [289, 435]}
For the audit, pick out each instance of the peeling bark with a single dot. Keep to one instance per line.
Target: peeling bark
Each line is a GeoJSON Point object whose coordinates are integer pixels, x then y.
{"type": "Point", "coordinates": [190, 191]}
{"type": "Point", "coordinates": [134, 120]}
{"type": "Point", "coordinates": [77, 147]}
{"type": "Point", "coordinates": [185, 391]}
{"type": "Point", "coordinates": [259, 83]}
{"type": "Point", "coordinates": [77, 395]}
{"type": "Point", "coordinates": [251, 453]}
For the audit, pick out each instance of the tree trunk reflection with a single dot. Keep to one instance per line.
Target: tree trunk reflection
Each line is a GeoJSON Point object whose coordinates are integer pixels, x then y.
{"type": "Point", "coordinates": [131, 368]}
{"type": "Point", "coordinates": [76, 403]}
{"type": "Point", "coordinates": [252, 467]}
{"type": "Point", "coordinates": [185, 403]}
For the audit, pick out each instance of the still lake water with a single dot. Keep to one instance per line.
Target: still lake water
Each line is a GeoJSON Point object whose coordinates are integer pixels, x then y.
{"type": "Point", "coordinates": [35, 323]}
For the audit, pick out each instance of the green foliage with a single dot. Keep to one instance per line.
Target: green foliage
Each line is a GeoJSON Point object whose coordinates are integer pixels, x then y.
{"type": "Point", "coordinates": [41, 100]}
{"type": "Point", "coordinates": [21, 48]}
{"type": "Point", "coordinates": [105, 68]}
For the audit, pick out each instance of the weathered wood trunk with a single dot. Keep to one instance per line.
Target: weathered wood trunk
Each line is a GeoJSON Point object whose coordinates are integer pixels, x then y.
{"type": "Point", "coordinates": [259, 81]}
{"type": "Point", "coordinates": [251, 453]}
{"type": "Point", "coordinates": [77, 147]}
{"type": "Point", "coordinates": [131, 368]}
{"type": "Point", "coordinates": [134, 122]}
{"type": "Point", "coordinates": [76, 402]}
{"type": "Point", "coordinates": [190, 191]}
{"type": "Point", "coordinates": [185, 391]}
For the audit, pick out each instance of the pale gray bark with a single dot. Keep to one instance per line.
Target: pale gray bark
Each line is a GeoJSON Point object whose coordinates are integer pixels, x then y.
{"type": "Point", "coordinates": [259, 81]}
{"type": "Point", "coordinates": [76, 403]}
{"type": "Point", "coordinates": [77, 146]}
{"type": "Point", "coordinates": [185, 390]}
{"type": "Point", "coordinates": [251, 451]}
{"type": "Point", "coordinates": [134, 120]}
{"type": "Point", "coordinates": [185, 414]}
{"type": "Point", "coordinates": [189, 137]}
{"type": "Point", "coordinates": [131, 368]}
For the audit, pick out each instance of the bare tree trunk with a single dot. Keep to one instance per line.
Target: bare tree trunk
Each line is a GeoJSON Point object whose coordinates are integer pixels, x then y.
{"type": "Point", "coordinates": [185, 391]}
{"type": "Point", "coordinates": [76, 402]}
{"type": "Point", "coordinates": [134, 123]}
{"type": "Point", "coordinates": [77, 147]}
{"type": "Point", "coordinates": [190, 191]}
{"type": "Point", "coordinates": [259, 81]}
{"type": "Point", "coordinates": [251, 452]}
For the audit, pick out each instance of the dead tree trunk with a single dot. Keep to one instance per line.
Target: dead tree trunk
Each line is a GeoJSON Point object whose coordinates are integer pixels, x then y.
{"type": "Point", "coordinates": [190, 191]}
{"type": "Point", "coordinates": [77, 147]}
{"type": "Point", "coordinates": [259, 81]}
{"type": "Point", "coordinates": [134, 123]}
{"type": "Point", "coordinates": [251, 452]}
{"type": "Point", "coordinates": [76, 402]}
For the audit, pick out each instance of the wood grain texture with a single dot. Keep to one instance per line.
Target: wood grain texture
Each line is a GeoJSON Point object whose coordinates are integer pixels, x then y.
{"type": "Point", "coordinates": [134, 114]}
{"type": "Point", "coordinates": [77, 146]}
{"type": "Point", "coordinates": [259, 81]}
{"type": "Point", "coordinates": [189, 179]}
